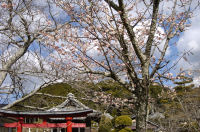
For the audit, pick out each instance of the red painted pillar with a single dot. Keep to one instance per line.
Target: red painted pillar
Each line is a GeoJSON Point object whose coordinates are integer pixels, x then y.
{"type": "Point", "coordinates": [44, 122]}
{"type": "Point", "coordinates": [69, 124]}
{"type": "Point", "coordinates": [19, 126]}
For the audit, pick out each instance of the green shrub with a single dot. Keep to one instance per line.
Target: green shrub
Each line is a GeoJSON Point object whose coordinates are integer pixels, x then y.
{"type": "Point", "coordinates": [164, 101]}
{"type": "Point", "coordinates": [155, 90]}
{"type": "Point", "coordinates": [105, 124]}
{"type": "Point", "coordinates": [123, 121]}
{"type": "Point", "coordinates": [126, 129]}
{"type": "Point", "coordinates": [113, 130]}
{"type": "Point", "coordinates": [94, 124]}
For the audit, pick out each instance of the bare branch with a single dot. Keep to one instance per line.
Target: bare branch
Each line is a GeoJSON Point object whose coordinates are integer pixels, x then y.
{"type": "Point", "coordinates": [130, 32]}
{"type": "Point", "coordinates": [113, 5]}
{"type": "Point", "coordinates": [152, 29]}
{"type": "Point", "coordinates": [169, 36]}
{"type": "Point", "coordinates": [29, 95]}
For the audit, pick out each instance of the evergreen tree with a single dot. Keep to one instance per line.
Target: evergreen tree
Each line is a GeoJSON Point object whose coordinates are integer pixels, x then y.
{"type": "Point", "coordinates": [184, 83]}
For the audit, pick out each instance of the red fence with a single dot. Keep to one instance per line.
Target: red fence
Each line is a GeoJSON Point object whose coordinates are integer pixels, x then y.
{"type": "Point", "coordinates": [46, 125]}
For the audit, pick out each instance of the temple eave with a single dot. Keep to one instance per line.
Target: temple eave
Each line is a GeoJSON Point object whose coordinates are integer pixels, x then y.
{"type": "Point", "coordinates": [49, 114]}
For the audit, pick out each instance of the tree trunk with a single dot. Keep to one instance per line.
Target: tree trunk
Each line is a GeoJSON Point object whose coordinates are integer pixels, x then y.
{"type": "Point", "coordinates": [141, 113]}
{"type": "Point", "coordinates": [141, 107]}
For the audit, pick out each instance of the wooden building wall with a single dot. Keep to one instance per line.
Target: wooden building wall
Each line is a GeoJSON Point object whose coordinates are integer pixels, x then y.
{"type": "Point", "coordinates": [4, 129]}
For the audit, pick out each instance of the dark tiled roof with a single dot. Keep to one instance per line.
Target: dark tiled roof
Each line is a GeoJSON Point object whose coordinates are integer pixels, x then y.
{"type": "Point", "coordinates": [69, 107]}
{"type": "Point", "coordinates": [45, 113]}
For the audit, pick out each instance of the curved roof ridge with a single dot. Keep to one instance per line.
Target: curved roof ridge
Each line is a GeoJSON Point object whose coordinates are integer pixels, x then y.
{"type": "Point", "coordinates": [70, 102]}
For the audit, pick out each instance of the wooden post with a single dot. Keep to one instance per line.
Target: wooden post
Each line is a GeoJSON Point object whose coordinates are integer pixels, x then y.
{"type": "Point", "coordinates": [69, 124]}
{"type": "Point", "coordinates": [20, 121]}
{"type": "Point", "coordinates": [44, 122]}
{"type": "Point", "coordinates": [9, 129]}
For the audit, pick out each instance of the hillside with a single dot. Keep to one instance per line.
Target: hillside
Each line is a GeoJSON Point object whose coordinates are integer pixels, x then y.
{"type": "Point", "coordinates": [104, 96]}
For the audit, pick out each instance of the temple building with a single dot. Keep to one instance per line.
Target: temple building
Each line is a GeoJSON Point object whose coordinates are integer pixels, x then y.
{"type": "Point", "coordinates": [69, 116]}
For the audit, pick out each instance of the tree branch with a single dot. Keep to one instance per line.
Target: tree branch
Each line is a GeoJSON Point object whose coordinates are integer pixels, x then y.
{"type": "Point", "coordinates": [169, 36]}
{"type": "Point", "coordinates": [29, 95]}
{"type": "Point", "coordinates": [113, 5]}
{"type": "Point", "coordinates": [152, 29]}
{"type": "Point", "coordinates": [130, 32]}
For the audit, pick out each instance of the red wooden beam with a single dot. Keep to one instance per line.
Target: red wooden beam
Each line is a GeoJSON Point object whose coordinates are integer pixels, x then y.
{"type": "Point", "coordinates": [78, 125]}
{"type": "Point", "coordinates": [47, 125]}
{"type": "Point", "coordinates": [15, 124]}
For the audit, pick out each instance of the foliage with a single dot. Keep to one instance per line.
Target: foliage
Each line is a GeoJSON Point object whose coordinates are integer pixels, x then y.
{"type": "Point", "coordinates": [37, 101]}
{"type": "Point", "coordinates": [92, 97]}
{"type": "Point", "coordinates": [126, 129]}
{"type": "Point", "coordinates": [94, 124]}
{"type": "Point", "coordinates": [113, 130]}
{"type": "Point", "coordinates": [105, 124]}
{"type": "Point", "coordinates": [123, 121]}
{"type": "Point", "coordinates": [180, 106]}
{"type": "Point", "coordinates": [183, 84]}
{"type": "Point", "coordinates": [114, 88]}
{"type": "Point", "coordinates": [117, 100]}
{"type": "Point", "coordinates": [155, 90]}
{"type": "Point", "coordinates": [192, 126]}
{"type": "Point", "coordinates": [59, 89]}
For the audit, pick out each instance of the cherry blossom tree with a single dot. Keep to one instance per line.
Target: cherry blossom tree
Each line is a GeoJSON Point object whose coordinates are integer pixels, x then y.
{"type": "Point", "coordinates": [126, 40]}
{"type": "Point", "coordinates": [23, 28]}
